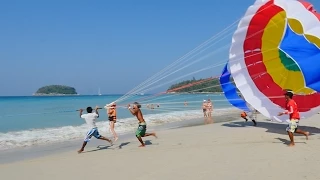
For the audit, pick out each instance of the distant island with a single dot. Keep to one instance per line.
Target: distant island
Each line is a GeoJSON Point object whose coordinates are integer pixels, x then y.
{"type": "Point", "coordinates": [55, 90]}
{"type": "Point", "coordinates": [209, 85]}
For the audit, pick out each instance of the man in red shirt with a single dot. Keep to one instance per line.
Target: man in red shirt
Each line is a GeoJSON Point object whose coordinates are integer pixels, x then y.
{"type": "Point", "coordinates": [294, 116]}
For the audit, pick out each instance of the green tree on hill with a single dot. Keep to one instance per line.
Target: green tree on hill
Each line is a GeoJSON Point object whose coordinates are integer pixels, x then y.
{"type": "Point", "coordinates": [212, 85]}
{"type": "Point", "coordinates": [57, 89]}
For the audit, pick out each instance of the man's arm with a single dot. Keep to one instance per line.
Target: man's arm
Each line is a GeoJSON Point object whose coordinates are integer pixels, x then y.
{"type": "Point", "coordinates": [97, 112]}
{"type": "Point", "coordinates": [81, 110]}
{"type": "Point", "coordinates": [290, 110]}
{"type": "Point", "coordinates": [133, 111]}
{"type": "Point", "coordinates": [286, 111]}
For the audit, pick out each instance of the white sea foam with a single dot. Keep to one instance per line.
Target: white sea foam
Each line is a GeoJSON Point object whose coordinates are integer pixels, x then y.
{"type": "Point", "coordinates": [51, 135]}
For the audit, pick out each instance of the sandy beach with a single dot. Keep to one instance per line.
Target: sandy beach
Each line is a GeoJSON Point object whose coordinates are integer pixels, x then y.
{"type": "Point", "coordinates": [227, 150]}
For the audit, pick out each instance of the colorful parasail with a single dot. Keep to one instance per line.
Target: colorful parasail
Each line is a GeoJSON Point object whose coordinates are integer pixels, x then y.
{"type": "Point", "coordinates": [276, 47]}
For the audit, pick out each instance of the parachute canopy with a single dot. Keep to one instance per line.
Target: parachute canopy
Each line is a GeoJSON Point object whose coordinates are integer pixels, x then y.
{"type": "Point", "coordinates": [276, 47]}
{"type": "Point", "coordinates": [230, 90]}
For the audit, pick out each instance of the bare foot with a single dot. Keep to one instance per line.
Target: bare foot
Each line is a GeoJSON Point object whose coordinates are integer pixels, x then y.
{"type": "Point", "coordinates": [307, 135]}
{"type": "Point", "coordinates": [291, 144]}
{"type": "Point", "coordinates": [110, 142]}
{"type": "Point", "coordinates": [142, 146]}
{"type": "Point", "coordinates": [154, 134]}
{"type": "Point", "coordinates": [80, 151]}
{"type": "Point", "coordinates": [115, 139]}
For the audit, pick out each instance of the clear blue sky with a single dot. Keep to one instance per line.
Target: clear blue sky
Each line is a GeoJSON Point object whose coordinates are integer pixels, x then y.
{"type": "Point", "coordinates": [114, 45]}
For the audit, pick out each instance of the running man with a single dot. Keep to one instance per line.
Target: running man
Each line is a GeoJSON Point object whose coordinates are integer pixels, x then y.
{"type": "Point", "coordinates": [112, 116]}
{"type": "Point", "coordinates": [90, 119]}
{"type": "Point", "coordinates": [142, 128]}
{"type": "Point", "coordinates": [294, 116]}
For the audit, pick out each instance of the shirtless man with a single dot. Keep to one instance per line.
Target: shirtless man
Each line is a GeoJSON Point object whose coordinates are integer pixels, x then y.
{"type": "Point", "coordinates": [142, 128]}
{"type": "Point", "coordinates": [112, 115]}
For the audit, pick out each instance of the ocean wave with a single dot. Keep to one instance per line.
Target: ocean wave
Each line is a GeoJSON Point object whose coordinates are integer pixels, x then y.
{"type": "Point", "coordinates": [53, 135]}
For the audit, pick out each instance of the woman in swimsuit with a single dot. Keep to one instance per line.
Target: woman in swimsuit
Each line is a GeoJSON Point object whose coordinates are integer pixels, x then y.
{"type": "Point", "coordinates": [112, 114]}
{"type": "Point", "coordinates": [204, 108]}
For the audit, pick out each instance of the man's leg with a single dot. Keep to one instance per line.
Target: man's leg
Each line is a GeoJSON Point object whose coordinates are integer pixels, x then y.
{"type": "Point", "coordinates": [290, 129]}
{"type": "Point", "coordinates": [98, 136]}
{"type": "Point", "coordinates": [140, 140]}
{"type": "Point", "coordinates": [254, 122]}
{"type": "Point", "coordinates": [250, 115]}
{"type": "Point", "coordinates": [86, 140]}
{"type": "Point", "coordinates": [150, 134]}
{"type": "Point", "coordinates": [83, 146]}
{"type": "Point", "coordinates": [303, 132]}
{"type": "Point", "coordinates": [106, 139]}
{"type": "Point", "coordinates": [140, 132]}
{"type": "Point", "coordinates": [245, 118]}
{"type": "Point", "coordinates": [291, 138]}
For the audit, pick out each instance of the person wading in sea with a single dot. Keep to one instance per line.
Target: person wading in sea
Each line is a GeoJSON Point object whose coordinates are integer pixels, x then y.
{"type": "Point", "coordinates": [204, 108]}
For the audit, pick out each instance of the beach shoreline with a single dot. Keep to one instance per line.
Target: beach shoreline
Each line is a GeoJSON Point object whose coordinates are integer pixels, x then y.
{"type": "Point", "coordinates": [42, 150]}
{"type": "Point", "coordinates": [226, 150]}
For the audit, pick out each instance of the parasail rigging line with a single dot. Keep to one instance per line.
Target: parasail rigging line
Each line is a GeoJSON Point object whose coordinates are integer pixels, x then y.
{"type": "Point", "coordinates": [131, 92]}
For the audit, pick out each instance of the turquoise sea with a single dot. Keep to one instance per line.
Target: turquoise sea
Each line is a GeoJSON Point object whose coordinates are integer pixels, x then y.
{"type": "Point", "coordinates": [31, 120]}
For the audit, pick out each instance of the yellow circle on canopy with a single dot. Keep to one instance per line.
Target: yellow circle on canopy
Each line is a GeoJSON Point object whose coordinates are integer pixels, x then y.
{"type": "Point", "coordinates": [283, 70]}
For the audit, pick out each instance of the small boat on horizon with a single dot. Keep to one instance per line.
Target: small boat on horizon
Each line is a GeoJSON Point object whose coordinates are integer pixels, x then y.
{"type": "Point", "coordinates": [99, 92]}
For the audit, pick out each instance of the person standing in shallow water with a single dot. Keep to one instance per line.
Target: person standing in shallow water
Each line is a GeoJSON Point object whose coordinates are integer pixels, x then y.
{"type": "Point", "coordinates": [112, 116]}
{"type": "Point", "coordinates": [209, 108]}
{"type": "Point", "coordinates": [142, 128]}
{"type": "Point", "coordinates": [294, 116]}
{"type": "Point", "coordinates": [90, 119]}
{"type": "Point", "coordinates": [204, 108]}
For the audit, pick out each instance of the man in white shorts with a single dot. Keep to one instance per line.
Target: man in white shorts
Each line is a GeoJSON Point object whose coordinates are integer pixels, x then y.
{"type": "Point", "coordinates": [90, 119]}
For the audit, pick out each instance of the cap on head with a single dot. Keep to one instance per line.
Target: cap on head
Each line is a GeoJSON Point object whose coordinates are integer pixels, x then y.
{"type": "Point", "coordinates": [137, 104]}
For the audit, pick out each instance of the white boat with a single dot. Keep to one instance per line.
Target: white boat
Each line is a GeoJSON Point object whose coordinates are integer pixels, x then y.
{"type": "Point", "coordinates": [99, 93]}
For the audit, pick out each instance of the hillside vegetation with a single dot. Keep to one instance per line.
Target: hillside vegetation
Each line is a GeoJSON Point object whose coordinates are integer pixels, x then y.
{"type": "Point", "coordinates": [56, 90]}
{"type": "Point", "coordinates": [196, 86]}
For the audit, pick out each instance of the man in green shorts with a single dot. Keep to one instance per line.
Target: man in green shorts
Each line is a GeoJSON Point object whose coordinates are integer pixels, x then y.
{"type": "Point", "coordinates": [142, 128]}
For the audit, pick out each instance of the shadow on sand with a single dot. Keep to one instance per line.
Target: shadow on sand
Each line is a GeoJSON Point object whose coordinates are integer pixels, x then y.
{"type": "Point", "coordinates": [148, 142]}
{"type": "Point", "coordinates": [272, 127]}
{"type": "Point", "coordinates": [287, 142]}
{"type": "Point", "coordinates": [100, 147]}
{"type": "Point", "coordinates": [123, 144]}
{"type": "Point", "coordinates": [103, 147]}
